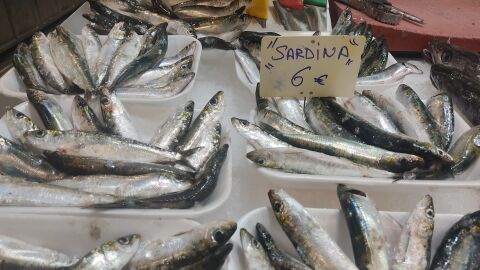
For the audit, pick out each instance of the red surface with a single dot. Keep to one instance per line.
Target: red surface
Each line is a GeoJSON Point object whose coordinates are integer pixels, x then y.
{"type": "Point", "coordinates": [458, 20]}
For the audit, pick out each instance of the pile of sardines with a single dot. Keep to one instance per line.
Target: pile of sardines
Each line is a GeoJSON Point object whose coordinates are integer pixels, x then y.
{"type": "Point", "coordinates": [372, 247]}
{"type": "Point", "coordinates": [456, 71]}
{"type": "Point", "coordinates": [204, 247]}
{"type": "Point", "coordinates": [96, 158]}
{"type": "Point", "coordinates": [132, 65]}
{"type": "Point", "coordinates": [184, 17]}
{"type": "Point", "coordinates": [367, 135]}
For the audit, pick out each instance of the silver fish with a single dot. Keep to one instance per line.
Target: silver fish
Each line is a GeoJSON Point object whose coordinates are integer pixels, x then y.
{"type": "Point", "coordinates": [84, 118]}
{"type": "Point", "coordinates": [99, 145]}
{"type": "Point", "coordinates": [255, 136]}
{"type": "Point", "coordinates": [465, 150]}
{"type": "Point", "coordinates": [291, 109]}
{"type": "Point", "coordinates": [312, 242]}
{"type": "Point", "coordinates": [275, 120]}
{"type": "Point", "coordinates": [208, 143]}
{"type": "Point", "coordinates": [365, 227]}
{"type": "Point", "coordinates": [207, 119]}
{"type": "Point", "coordinates": [201, 12]}
{"type": "Point", "coordinates": [174, 128]}
{"type": "Point", "coordinates": [22, 254]}
{"type": "Point", "coordinates": [391, 74]}
{"type": "Point", "coordinates": [115, 38]}
{"type": "Point", "coordinates": [344, 23]}
{"type": "Point", "coordinates": [310, 18]}
{"type": "Point", "coordinates": [45, 64]}
{"type": "Point", "coordinates": [18, 192]}
{"type": "Point", "coordinates": [216, 26]}
{"type": "Point", "coordinates": [184, 248]}
{"type": "Point", "coordinates": [296, 160]}
{"type": "Point", "coordinates": [23, 62]}
{"type": "Point", "coordinates": [440, 107]}
{"type": "Point", "coordinates": [125, 54]}
{"type": "Point", "coordinates": [91, 46]}
{"type": "Point", "coordinates": [257, 258]}
{"type": "Point", "coordinates": [18, 123]}
{"type": "Point", "coordinates": [366, 109]}
{"type": "Point", "coordinates": [188, 50]}
{"type": "Point", "coordinates": [113, 255]}
{"type": "Point", "coordinates": [49, 110]}
{"type": "Point", "coordinates": [209, 3]}
{"type": "Point", "coordinates": [170, 90]}
{"type": "Point", "coordinates": [69, 60]}
{"type": "Point", "coordinates": [116, 118]}
{"type": "Point", "coordinates": [18, 161]}
{"type": "Point", "coordinates": [413, 250]}
{"type": "Point", "coordinates": [248, 65]}
{"type": "Point", "coordinates": [140, 186]}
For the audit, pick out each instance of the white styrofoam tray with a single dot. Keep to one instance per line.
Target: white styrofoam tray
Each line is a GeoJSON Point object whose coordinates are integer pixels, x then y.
{"type": "Point", "coordinates": [333, 221]}
{"type": "Point", "coordinates": [77, 235]}
{"type": "Point", "coordinates": [146, 118]}
{"type": "Point", "coordinates": [11, 84]}
{"type": "Point", "coordinates": [469, 178]}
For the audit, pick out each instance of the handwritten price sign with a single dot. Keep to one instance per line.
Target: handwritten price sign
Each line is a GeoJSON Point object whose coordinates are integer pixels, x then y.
{"type": "Point", "coordinates": [310, 66]}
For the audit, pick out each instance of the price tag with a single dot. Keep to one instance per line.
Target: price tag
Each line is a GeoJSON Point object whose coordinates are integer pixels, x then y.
{"type": "Point", "coordinates": [310, 66]}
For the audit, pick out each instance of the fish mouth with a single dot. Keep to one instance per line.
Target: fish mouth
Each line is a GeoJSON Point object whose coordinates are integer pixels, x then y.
{"type": "Point", "coordinates": [343, 189]}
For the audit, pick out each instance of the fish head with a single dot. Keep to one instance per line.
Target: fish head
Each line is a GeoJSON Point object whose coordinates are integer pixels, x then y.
{"type": "Point", "coordinates": [240, 124]}
{"type": "Point", "coordinates": [347, 194]}
{"type": "Point", "coordinates": [279, 202]}
{"type": "Point", "coordinates": [18, 123]}
{"type": "Point", "coordinates": [422, 217]}
{"type": "Point", "coordinates": [80, 102]}
{"type": "Point", "coordinates": [40, 137]}
{"type": "Point", "coordinates": [264, 236]}
{"type": "Point", "coordinates": [121, 249]}
{"type": "Point", "coordinates": [185, 64]}
{"type": "Point", "coordinates": [35, 96]}
{"type": "Point", "coordinates": [106, 101]}
{"type": "Point", "coordinates": [248, 240]}
{"type": "Point", "coordinates": [442, 77]}
{"type": "Point", "coordinates": [189, 106]}
{"type": "Point", "coordinates": [216, 103]}
{"type": "Point", "coordinates": [263, 157]}
{"type": "Point", "coordinates": [118, 31]}
{"type": "Point", "coordinates": [441, 52]}
{"type": "Point", "coordinates": [220, 232]}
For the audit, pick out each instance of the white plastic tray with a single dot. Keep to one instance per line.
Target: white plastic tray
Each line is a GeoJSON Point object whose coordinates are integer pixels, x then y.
{"type": "Point", "coordinates": [76, 235]}
{"type": "Point", "coordinates": [146, 118]}
{"type": "Point", "coordinates": [12, 86]}
{"type": "Point", "coordinates": [333, 221]}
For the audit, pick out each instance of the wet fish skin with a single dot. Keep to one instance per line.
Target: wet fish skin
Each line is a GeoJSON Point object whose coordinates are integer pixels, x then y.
{"type": "Point", "coordinates": [413, 250]}
{"type": "Point", "coordinates": [116, 117]}
{"type": "Point", "coordinates": [291, 109]}
{"type": "Point", "coordinates": [248, 65]}
{"type": "Point", "coordinates": [322, 120]}
{"type": "Point", "coordinates": [174, 128]}
{"type": "Point", "coordinates": [393, 142]}
{"type": "Point", "coordinates": [344, 23]}
{"type": "Point", "coordinates": [275, 120]}
{"type": "Point", "coordinates": [92, 46]}
{"type": "Point", "coordinates": [257, 258]}
{"type": "Point", "coordinates": [43, 60]}
{"type": "Point", "coordinates": [17, 161]}
{"type": "Point", "coordinates": [263, 102]}
{"type": "Point", "coordinates": [208, 144]}
{"type": "Point", "coordinates": [460, 246]}
{"type": "Point", "coordinates": [415, 106]}
{"type": "Point", "coordinates": [375, 61]}
{"type": "Point", "coordinates": [214, 260]}
{"type": "Point", "coordinates": [100, 146]}
{"type": "Point", "coordinates": [216, 26]}
{"type": "Point", "coordinates": [465, 150]}
{"type": "Point", "coordinates": [360, 153]}
{"type": "Point", "coordinates": [454, 56]}
{"type": "Point", "coordinates": [366, 109]}
{"type": "Point", "coordinates": [311, 241]}
{"type": "Point", "coordinates": [199, 11]}
{"type": "Point", "coordinates": [115, 39]}
{"type": "Point", "coordinates": [183, 54]}
{"type": "Point", "coordinates": [255, 136]}
{"type": "Point", "coordinates": [18, 123]}
{"type": "Point", "coordinates": [23, 62]}
{"type": "Point", "coordinates": [184, 248]}
{"type": "Point", "coordinates": [22, 254]}
{"type": "Point", "coordinates": [440, 107]}
{"type": "Point", "coordinates": [113, 255]}
{"type": "Point", "coordinates": [77, 165]}
{"type": "Point", "coordinates": [84, 118]}
{"type": "Point", "coordinates": [189, 3]}
{"type": "Point", "coordinates": [49, 110]}
{"type": "Point", "coordinates": [215, 43]}
{"type": "Point", "coordinates": [365, 227]}
{"type": "Point", "coordinates": [389, 75]}
{"type": "Point", "coordinates": [461, 87]}
{"type": "Point", "coordinates": [18, 192]}
{"type": "Point", "coordinates": [303, 161]}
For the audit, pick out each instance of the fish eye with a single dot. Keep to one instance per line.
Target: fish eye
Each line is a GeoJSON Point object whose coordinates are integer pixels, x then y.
{"type": "Point", "coordinates": [220, 237]}
{"type": "Point", "coordinates": [124, 241]}
{"type": "Point", "coordinates": [244, 122]}
{"type": "Point", "coordinates": [40, 133]}
{"type": "Point", "coordinates": [277, 206]}
{"type": "Point", "coordinates": [81, 102]}
{"type": "Point", "coordinates": [430, 213]}
{"type": "Point", "coordinates": [256, 243]}
{"type": "Point", "coordinates": [19, 115]}
{"type": "Point", "coordinates": [213, 101]}
{"type": "Point", "coordinates": [446, 56]}
{"type": "Point", "coordinates": [261, 161]}
{"type": "Point", "coordinates": [476, 141]}
{"type": "Point", "coordinates": [104, 100]}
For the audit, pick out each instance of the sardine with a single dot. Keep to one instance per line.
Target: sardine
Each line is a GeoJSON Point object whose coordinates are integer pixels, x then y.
{"type": "Point", "coordinates": [255, 136]}
{"type": "Point", "coordinates": [214, 260]}
{"type": "Point", "coordinates": [23, 63]}
{"type": "Point", "coordinates": [209, 3]}
{"type": "Point", "coordinates": [18, 123]}
{"type": "Point", "coordinates": [390, 75]}
{"type": "Point", "coordinates": [84, 118]}
{"type": "Point", "coordinates": [465, 150]}
{"type": "Point", "coordinates": [172, 131]}
{"type": "Point", "coordinates": [208, 143]}
{"type": "Point", "coordinates": [311, 241]}
{"type": "Point", "coordinates": [183, 54]}
{"type": "Point", "coordinates": [45, 65]}
{"type": "Point", "coordinates": [277, 121]}
{"type": "Point", "coordinates": [115, 38]}
{"type": "Point", "coordinates": [248, 65]}
{"type": "Point", "coordinates": [344, 23]}
{"type": "Point", "coordinates": [413, 250]}
{"type": "Point", "coordinates": [116, 118]}
{"type": "Point", "coordinates": [113, 255]}
{"type": "Point", "coordinates": [215, 43]}
{"type": "Point", "coordinates": [296, 160]}
{"type": "Point", "coordinates": [454, 56]}
{"type": "Point", "coordinates": [202, 12]}
{"type": "Point", "coordinates": [257, 258]}
{"type": "Point", "coordinates": [170, 90]}
{"type": "Point", "coordinates": [184, 248]}
{"type": "Point", "coordinates": [215, 26]}
{"type": "Point", "coordinates": [440, 107]}
{"type": "Point", "coordinates": [291, 109]}
{"type": "Point", "coordinates": [49, 110]}
{"type": "Point", "coordinates": [91, 46]}
{"type": "Point", "coordinates": [365, 227]}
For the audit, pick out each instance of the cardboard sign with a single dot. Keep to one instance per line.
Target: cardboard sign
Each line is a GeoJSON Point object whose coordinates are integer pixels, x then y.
{"type": "Point", "coordinates": [310, 66]}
